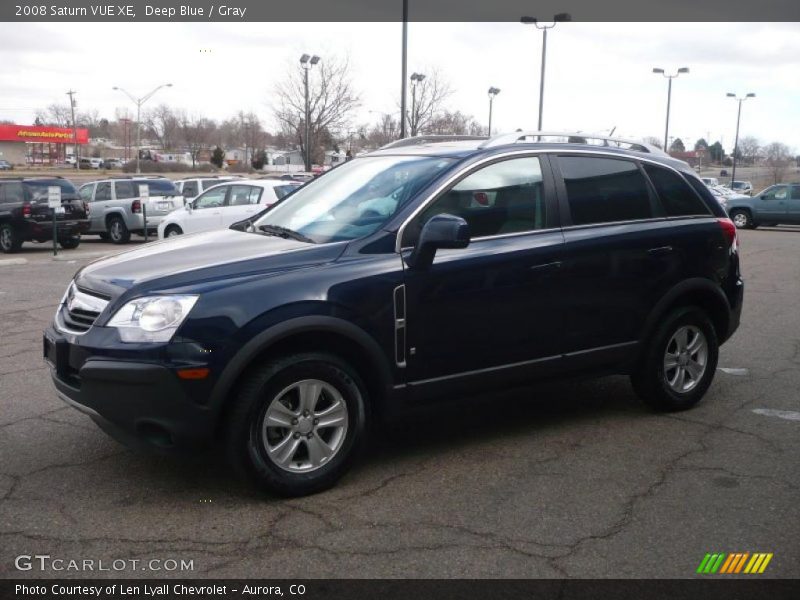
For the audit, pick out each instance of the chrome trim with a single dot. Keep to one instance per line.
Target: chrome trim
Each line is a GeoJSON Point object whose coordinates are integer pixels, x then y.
{"type": "Point", "coordinates": [535, 151]}
{"type": "Point", "coordinates": [74, 298]}
{"type": "Point", "coordinates": [400, 324]}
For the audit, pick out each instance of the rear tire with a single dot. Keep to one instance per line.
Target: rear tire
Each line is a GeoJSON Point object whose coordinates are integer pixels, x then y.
{"type": "Point", "coordinates": [10, 240]}
{"type": "Point", "coordinates": [679, 362]}
{"type": "Point", "coordinates": [742, 219]}
{"type": "Point", "coordinates": [118, 232]}
{"type": "Point", "coordinates": [297, 424]}
{"type": "Point", "coordinates": [173, 231]}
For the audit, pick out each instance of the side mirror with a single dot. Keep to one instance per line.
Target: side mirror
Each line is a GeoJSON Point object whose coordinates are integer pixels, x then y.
{"type": "Point", "coordinates": [189, 206]}
{"type": "Point", "coordinates": [441, 231]}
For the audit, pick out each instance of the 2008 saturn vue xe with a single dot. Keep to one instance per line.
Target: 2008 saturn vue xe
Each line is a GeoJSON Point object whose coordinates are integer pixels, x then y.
{"type": "Point", "coordinates": [423, 270]}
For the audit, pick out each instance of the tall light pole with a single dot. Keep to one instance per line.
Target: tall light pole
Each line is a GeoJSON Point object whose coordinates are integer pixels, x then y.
{"type": "Point", "coordinates": [138, 102]}
{"type": "Point", "coordinates": [738, 119]}
{"type": "Point", "coordinates": [416, 78]}
{"type": "Point", "coordinates": [404, 72]}
{"type": "Point", "coordinates": [669, 97]}
{"type": "Point", "coordinates": [560, 17]}
{"type": "Point", "coordinates": [493, 91]}
{"type": "Point", "coordinates": [71, 93]}
{"type": "Point", "coordinates": [307, 62]}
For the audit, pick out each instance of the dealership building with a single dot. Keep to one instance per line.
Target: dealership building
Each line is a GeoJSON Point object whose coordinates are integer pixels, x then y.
{"type": "Point", "coordinates": [37, 145]}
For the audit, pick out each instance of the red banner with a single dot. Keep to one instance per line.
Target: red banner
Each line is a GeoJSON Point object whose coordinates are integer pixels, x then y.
{"type": "Point", "coordinates": [28, 133]}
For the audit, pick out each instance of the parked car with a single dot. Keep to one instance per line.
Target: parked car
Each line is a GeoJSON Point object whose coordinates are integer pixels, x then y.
{"type": "Point", "coordinates": [723, 173]}
{"type": "Point", "coordinates": [91, 163]}
{"type": "Point", "coordinates": [112, 163]}
{"type": "Point", "coordinates": [710, 180]}
{"type": "Point", "coordinates": [381, 285]}
{"type": "Point", "coordinates": [117, 209]}
{"type": "Point", "coordinates": [224, 204]}
{"type": "Point", "coordinates": [5, 165]}
{"type": "Point", "coordinates": [25, 214]}
{"type": "Point", "coordinates": [776, 205]}
{"type": "Point", "coordinates": [742, 187]}
{"type": "Point", "coordinates": [190, 188]}
{"type": "Point", "coordinates": [301, 177]}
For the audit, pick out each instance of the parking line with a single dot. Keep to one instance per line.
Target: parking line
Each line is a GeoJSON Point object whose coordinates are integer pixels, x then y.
{"type": "Point", "coordinates": [789, 415]}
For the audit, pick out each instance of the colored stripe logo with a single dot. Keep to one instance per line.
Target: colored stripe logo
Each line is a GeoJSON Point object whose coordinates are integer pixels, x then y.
{"type": "Point", "coordinates": [735, 562]}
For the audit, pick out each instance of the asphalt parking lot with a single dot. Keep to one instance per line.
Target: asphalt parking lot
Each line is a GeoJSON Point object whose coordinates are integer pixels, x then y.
{"type": "Point", "coordinates": [567, 479]}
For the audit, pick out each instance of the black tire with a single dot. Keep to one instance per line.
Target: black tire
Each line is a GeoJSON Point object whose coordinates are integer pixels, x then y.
{"type": "Point", "coordinates": [246, 447]}
{"type": "Point", "coordinates": [10, 240]}
{"type": "Point", "coordinates": [70, 243]}
{"type": "Point", "coordinates": [742, 218]}
{"type": "Point", "coordinates": [172, 230]}
{"type": "Point", "coordinates": [117, 231]}
{"type": "Point", "coordinates": [650, 379]}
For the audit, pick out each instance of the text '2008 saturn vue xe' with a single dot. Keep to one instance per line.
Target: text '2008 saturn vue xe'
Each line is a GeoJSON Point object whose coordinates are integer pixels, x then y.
{"type": "Point", "coordinates": [432, 268]}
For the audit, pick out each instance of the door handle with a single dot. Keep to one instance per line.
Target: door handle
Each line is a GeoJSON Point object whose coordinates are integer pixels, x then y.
{"type": "Point", "coordinates": [660, 251]}
{"type": "Point", "coordinates": [551, 266]}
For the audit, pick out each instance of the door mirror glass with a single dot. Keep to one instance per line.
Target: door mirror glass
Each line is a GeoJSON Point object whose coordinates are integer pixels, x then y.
{"type": "Point", "coordinates": [440, 231]}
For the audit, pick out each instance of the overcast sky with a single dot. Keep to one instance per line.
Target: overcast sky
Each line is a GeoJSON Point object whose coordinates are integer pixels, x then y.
{"type": "Point", "coordinates": [599, 75]}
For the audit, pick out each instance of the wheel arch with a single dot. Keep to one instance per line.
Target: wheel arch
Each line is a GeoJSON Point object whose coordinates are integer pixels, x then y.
{"type": "Point", "coordinates": [114, 213]}
{"type": "Point", "coordinates": [316, 333]}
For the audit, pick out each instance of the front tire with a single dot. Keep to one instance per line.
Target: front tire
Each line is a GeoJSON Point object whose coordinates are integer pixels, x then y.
{"type": "Point", "coordinates": [742, 219]}
{"type": "Point", "coordinates": [679, 361]}
{"type": "Point", "coordinates": [10, 240]}
{"type": "Point", "coordinates": [118, 232]}
{"type": "Point", "coordinates": [172, 231]}
{"type": "Point", "coordinates": [297, 424]}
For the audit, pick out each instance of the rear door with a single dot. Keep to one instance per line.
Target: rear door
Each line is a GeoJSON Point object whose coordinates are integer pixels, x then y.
{"type": "Point", "coordinates": [242, 203]}
{"type": "Point", "coordinates": [620, 253]}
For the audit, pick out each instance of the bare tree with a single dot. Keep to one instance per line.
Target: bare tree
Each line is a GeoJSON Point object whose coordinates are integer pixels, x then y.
{"type": "Point", "coordinates": [653, 141]}
{"type": "Point", "coordinates": [55, 115]}
{"type": "Point", "coordinates": [332, 100]}
{"type": "Point", "coordinates": [386, 130]}
{"type": "Point", "coordinates": [749, 148]}
{"type": "Point", "coordinates": [163, 124]}
{"type": "Point", "coordinates": [455, 123]}
{"type": "Point", "coordinates": [196, 134]}
{"type": "Point", "coordinates": [777, 157]}
{"type": "Point", "coordinates": [429, 96]}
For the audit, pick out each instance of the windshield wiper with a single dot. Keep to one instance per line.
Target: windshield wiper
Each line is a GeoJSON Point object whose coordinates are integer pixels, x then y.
{"type": "Point", "coordinates": [285, 232]}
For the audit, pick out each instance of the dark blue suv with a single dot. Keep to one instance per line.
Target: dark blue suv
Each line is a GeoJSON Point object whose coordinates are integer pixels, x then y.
{"type": "Point", "coordinates": [424, 270]}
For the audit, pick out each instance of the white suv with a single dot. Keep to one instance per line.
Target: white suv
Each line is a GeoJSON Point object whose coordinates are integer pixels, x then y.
{"type": "Point", "coordinates": [223, 205]}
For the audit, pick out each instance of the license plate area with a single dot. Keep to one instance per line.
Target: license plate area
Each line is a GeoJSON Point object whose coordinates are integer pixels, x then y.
{"type": "Point", "coordinates": [164, 206]}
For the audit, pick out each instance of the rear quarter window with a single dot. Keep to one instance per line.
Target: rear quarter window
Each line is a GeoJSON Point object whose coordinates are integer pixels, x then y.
{"type": "Point", "coordinates": [676, 196]}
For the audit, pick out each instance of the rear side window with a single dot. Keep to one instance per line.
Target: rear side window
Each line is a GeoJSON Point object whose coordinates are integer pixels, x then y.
{"type": "Point", "coordinates": [190, 189]}
{"type": "Point", "coordinates": [124, 189]}
{"type": "Point", "coordinates": [796, 192]}
{"type": "Point", "coordinates": [677, 198]}
{"type": "Point", "coordinates": [605, 190]}
{"type": "Point", "coordinates": [103, 191]}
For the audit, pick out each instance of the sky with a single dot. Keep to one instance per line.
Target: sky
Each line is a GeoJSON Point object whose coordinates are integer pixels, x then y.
{"type": "Point", "coordinates": [599, 75]}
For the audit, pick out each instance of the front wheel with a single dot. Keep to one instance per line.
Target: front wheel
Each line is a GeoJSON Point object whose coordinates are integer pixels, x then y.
{"type": "Point", "coordinates": [742, 219]}
{"type": "Point", "coordinates": [172, 231]}
{"type": "Point", "coordinates": [298, 423]}
{"type": "Point", "coordinates": [10, 240]}
{"type": "Point", "coordinates": [679, 362]}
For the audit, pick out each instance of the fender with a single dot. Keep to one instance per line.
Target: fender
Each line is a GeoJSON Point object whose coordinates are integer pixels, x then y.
{"type": "Point", "coordinates": [270, 336]}
{"type": "Point", "coordinates": [688, 286]}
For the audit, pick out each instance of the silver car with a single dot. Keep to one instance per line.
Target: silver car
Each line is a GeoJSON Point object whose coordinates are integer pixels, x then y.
{"type": "Point", "coordinates": [117, 209]}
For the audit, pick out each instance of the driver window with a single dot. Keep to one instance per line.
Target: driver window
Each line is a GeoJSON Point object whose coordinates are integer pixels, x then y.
{"type": "Point", "coordinates": [504, 197]}
{"type": "Point", "coordinates": [213, 198]}
{"type": "Point", "coordinates": [777, 193]}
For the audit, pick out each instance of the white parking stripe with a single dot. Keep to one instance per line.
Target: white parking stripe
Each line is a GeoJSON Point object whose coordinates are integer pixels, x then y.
{"type": "Point", "coordinates": [789, 415]}
{"type": "Point", "coordinates": [732, 371]}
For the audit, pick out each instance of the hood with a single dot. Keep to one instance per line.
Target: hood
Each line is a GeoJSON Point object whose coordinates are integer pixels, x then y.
{"type": "Point", "coordinates": [201, 257]}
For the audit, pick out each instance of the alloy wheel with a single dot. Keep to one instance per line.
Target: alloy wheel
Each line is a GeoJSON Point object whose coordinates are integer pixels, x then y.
{"type": "Point", "coordinates": [740, 219]}
{"type": "Point", "coordinates": [685, 359]}
{"type": "Point", "coordinates": [304, 426]}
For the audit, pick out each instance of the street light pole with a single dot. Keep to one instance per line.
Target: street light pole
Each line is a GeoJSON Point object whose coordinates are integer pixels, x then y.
{"type": "Point", "coordinates": [493, 91]}
{"type": "Point", "coordinates": [669, 98]}
{"type": "Point", "coordinates": [404, 74]}
{"type": "Point", "coordinates": [415, 79]}
{"type": "Point", "coordinates": [138, 102]}
{"type": "Point", "coordinates": [560, 17]}
{"type": "Point", "coordinates": [71, 93]}
{"type": "Point", "coordinates": [307, 62]}
{"type": "Point", "coordinates": [736, 140]}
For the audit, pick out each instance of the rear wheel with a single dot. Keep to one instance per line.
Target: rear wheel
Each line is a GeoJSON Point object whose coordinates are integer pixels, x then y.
{"type": "Point", "coordinates": [10, 240]}
{"type": "Point", "coordinates": [297, 424]}
{"type": "Point", "coordinates": [742, 219]}
{"type": "Point", "coordinates": [173, 231]}
{"type": "Point", "coordinates": [118, 232]}
{"type": "Point", "coordinates": [679, 362]}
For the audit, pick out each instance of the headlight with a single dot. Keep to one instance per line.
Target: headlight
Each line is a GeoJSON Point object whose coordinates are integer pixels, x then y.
{"type": "Point", "coordinates": [152, 318]}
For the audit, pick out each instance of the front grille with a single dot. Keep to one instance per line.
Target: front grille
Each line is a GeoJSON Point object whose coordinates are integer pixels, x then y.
{"type": "Point", "coordinates": [79, 310]}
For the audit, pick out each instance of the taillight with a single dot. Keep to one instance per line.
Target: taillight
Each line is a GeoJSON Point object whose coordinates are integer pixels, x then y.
{"type": "Point", "coordinates": [136, 206]}
{"type": "Point", "coordinates": [26, 210]}
{"type": "Point", "coordinates": [729, 231]}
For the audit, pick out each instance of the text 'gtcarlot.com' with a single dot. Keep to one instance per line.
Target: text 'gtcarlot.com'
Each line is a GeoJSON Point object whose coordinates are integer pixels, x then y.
{"type": "Point", "coordinates": [45, 562]}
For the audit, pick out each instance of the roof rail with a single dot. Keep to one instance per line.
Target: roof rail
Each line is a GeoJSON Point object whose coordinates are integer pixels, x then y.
{"type": "Point", "coordinates": [431, 139]}
{"type": "Point", "coordinates": [571, 138]}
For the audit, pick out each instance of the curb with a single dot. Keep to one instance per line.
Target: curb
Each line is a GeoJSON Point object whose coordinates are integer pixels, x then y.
{"type": "Point", "coordinates": [7, 262]}
{"type": "Point", "coordinates": [68, 257]}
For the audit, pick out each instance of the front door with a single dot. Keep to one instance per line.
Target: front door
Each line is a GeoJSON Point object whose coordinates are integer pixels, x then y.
{"type": "Point", "coordinates": [491, 309]}
{"type": "Point", "coordinates": [771, 205]}
{"type": "Point", "coordinates": [207, 210]}
{"type": "Point", "coordinates": [793, 206]}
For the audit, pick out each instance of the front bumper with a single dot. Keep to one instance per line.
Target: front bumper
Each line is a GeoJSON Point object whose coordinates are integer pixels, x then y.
{"type": "Point", "coordinates": [141, 404]}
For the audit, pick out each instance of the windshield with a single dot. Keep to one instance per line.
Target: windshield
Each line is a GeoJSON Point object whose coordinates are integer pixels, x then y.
{"type": "Point", "coordinates": [355, 199]}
